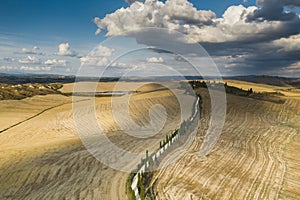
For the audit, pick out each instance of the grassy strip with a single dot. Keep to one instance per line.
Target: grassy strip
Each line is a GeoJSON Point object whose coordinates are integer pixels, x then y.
{"type": "Point", "coordinates": [129, 191]}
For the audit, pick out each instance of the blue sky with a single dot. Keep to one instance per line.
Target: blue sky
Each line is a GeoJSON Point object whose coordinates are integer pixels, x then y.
{"type": "Point", "coordinates": [37, 21]}
{"type": "Point", "coordinates": [38, 27]}
{"type": "Point", "coordinates": [40, 22]}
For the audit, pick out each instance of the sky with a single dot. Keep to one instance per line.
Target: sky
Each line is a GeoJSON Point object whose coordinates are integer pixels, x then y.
{"type": "Point", "coordinates": [61, 37]}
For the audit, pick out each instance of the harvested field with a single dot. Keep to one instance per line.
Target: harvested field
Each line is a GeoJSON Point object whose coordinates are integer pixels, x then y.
{"type": "Point", "coordinates": [43, 158]}
{"type": "Point", "coordinates": [110, 86]}
{"type": "Point", "coordinates": [257, 87]}
{"type": "Point", "coordinates": [14, 111]}
{"type": "Point", "coordinates": [255, 158]}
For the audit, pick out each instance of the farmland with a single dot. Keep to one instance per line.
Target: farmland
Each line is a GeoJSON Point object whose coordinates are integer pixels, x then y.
{"type": "Point", "coordinates": [255, 157]}
{"type": "Point", "coordinates": [42, 156]}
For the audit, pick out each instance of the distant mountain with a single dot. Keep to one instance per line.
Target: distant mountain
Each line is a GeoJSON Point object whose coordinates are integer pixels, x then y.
{"type": "Point", "coordinates": [46, 79]}
{"type": "Point", "coordinates": [29, 78]}
{"type": "Point", "coordinates": [270, 80]}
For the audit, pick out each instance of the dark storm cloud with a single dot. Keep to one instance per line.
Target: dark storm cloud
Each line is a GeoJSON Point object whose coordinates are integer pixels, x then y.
{"type": "Point", "coordinates": [252, 58]}
{"type": "Point", "coordinates": [274, 10]}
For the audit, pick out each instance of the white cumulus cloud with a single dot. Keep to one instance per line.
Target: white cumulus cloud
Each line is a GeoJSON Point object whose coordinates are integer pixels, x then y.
{"type": "Point", "coordinates": [56, 62]}
{"type": "Point", "coordinates": [30, 60]}
{"type": "Point", "coordinates": [7, 68]}
{"type": "Point", "coordinates": [244, 40]}
{"type": "Point", "coordinates": [291, 43]}
{"type": "Point", "coordinates": [65, 50]}
{"type": "Point", "coordinates": [234, 26]}
{"type": "Point", "coordinates": [153, 13]}
{"type": "Point", "coordinates": [199, 25]}
{"type": "Point", "coordinates": [37, 68]}
{"type": "Point", "coordinates": [98, 57]}
{"type": "Point", "coordinates": [155, 60]}
{"type": "Point", "coordinates": [293, 69]}
{"type": "Point", "coordinates": [118, 64]}
{"type": "Point", "coordinates": [33, 50]}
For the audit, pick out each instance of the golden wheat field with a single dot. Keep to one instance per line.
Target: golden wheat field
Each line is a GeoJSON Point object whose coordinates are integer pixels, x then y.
{"type": "Point", "coordinates": [42, 156]}
{"type": "Point", "coordinates": [291, 92]}
{"type": "Point", "coordinates": [257, 156]}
